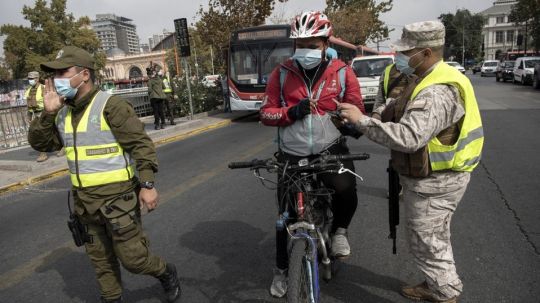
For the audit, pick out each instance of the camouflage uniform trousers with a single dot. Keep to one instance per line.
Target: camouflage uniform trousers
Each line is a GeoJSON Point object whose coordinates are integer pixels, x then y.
{"type": "Point", "coordinates": [428, 216]}
{"type": "Point", "coordinates": [118, 236]}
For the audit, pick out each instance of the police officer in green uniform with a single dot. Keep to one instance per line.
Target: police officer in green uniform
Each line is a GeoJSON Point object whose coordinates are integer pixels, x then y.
{"type": "Point", "coordinates": [105, 146]}
{"type": "Point", "coordinates": [169, 102]}
{"type": "Point", "coordinates": [34, 102]}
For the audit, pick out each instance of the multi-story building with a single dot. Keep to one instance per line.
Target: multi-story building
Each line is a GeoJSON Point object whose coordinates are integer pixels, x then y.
{"type": "Point", "coordinates": [157, 38]}
{"type": "Point", "coordinates": [116, 32]}
{"type": "Point", "coordinates": [500, 35]}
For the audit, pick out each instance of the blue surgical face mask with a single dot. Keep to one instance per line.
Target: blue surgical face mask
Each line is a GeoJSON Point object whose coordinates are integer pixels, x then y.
{"type": "Point", "coordinates": [308, 58]}
{"type": "Point", "coordinates": [402, 63]}
{"type": "Point", "coordinates": [64, 89]}
{"type": "Point", "coordinates": [32, 82]}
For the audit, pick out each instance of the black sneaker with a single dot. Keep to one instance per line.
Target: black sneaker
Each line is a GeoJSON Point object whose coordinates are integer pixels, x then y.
{"type": "Point", "coordinates": [170, 283]}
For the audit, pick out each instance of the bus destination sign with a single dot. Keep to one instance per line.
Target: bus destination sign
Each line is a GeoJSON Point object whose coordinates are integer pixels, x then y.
{"type": "Point", "coordinates": [263, 34]}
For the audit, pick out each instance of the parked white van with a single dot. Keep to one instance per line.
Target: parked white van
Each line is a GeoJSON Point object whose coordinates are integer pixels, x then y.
{"type": "Point", "coordinates": [524, 69]}
{"type": "Point", "coordinates": [368, 70]}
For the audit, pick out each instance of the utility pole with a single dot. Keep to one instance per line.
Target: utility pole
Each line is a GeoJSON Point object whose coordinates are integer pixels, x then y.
{"type": "Point", "coordinates": [212, 58]}
{"type": "Point", "coordinates": [463, 45]}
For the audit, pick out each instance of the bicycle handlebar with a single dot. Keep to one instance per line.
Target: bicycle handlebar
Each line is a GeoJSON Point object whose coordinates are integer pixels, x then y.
{"type": "Point", "coordinates": [326, 160]}
{"type": "Point", "coordinates": [339, 158]}
{"type": "Point", "coordinates": [252, 163]}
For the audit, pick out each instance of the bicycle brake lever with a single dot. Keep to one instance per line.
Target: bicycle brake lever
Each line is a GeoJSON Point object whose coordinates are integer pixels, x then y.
{"type": "Point", "coordinates": [346, 170]}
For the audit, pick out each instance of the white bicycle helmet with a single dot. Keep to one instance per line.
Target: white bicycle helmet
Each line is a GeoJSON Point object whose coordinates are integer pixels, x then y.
{"type": "Point", "coordinates": [311, 24]}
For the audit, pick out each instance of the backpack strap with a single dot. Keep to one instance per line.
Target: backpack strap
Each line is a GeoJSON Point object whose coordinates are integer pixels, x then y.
{"type": "Point", "coordinates": [341, 76]}
{"type": "Point", "coordinates": [282, 75]}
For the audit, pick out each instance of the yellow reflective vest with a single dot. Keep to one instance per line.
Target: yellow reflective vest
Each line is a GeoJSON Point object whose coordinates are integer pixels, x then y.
{"type": "Point", "coordinates": [94, 156]}
{"type": "Point", "coordinates": [465, 154]}
{"type": "Point", "coordinates": [39, 98]}
{"type": "Point", "coordinates": [387, 77]}
{"type": "Point", "coordinates": [166, 86]}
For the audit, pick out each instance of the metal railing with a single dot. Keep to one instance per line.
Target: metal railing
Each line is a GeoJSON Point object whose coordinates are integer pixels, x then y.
{"type": "Point", "coordinates": [13, 127]}
{"type": "Point", "coordinates": [138, 97]}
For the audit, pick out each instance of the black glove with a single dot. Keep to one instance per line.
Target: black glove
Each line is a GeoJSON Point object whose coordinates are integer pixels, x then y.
{"type": "Point", "coordinates": [349, 129]}
{"type": "Point", "coordinates": [300, 110]}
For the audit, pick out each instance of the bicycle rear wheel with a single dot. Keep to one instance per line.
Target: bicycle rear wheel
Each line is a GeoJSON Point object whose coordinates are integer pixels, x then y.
{"type": "Point", "coordinates": [299, 284]}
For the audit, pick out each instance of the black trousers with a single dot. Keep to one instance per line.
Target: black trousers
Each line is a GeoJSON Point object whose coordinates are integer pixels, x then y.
{"type": "Point", "coordinates": [344, 200]}
{"type": "Point", "coordinates": [169, 107]}
{"type": "Point", "coordinates": [157, 106]}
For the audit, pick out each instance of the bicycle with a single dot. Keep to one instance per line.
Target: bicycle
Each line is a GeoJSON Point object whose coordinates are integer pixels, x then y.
{"type": "Point", "coordinates": [307, 218]}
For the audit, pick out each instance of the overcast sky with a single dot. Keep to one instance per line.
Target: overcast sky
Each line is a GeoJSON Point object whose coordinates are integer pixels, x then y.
{"type": "Point", "coordinates": [151, 17]}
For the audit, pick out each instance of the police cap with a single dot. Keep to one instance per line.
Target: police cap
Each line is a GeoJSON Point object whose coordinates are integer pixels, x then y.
{"type": "Point", "coordinates": [70, 56]}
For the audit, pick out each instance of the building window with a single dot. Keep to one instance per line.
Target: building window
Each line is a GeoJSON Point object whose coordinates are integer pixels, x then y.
{"type": "Point", "coordinates": [499, 37]}
{"type": "Point", "coordinates": [510, 37]}
{"type": "Point", "coordinates": [500, 19]}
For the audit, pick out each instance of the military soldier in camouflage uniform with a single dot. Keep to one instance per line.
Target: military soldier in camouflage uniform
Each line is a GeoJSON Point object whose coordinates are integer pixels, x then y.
{"type": "Point", "coordinates": [434, 147]}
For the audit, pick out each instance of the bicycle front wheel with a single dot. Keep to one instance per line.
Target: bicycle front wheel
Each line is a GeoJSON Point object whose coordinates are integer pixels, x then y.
{"type": "Point", "coordinates": [300, 288]}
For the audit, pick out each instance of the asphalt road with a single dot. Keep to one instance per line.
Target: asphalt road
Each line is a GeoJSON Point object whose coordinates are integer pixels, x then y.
{"type": "Point", "coordinates": [217, 225]}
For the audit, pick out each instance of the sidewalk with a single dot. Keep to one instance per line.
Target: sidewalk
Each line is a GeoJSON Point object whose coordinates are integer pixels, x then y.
{"type": "Point", "coordinates": [18, 167]}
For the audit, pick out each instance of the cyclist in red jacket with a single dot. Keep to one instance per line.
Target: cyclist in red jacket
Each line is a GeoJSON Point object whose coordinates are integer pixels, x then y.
{"type": "Point", "coordinates": [299, 94]}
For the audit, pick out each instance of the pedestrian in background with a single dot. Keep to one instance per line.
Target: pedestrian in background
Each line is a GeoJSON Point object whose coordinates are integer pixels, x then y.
{"type": "Point", "coordinates": [34, 103]}
{"type": "Point", "coordinates": [105, 144]}
{"type": "Point", "coordinates": [157, 97]}
{"type": "Point", "coordinates": [169, 102]}
{"type": "Point", "coordinates": [436, 141]}
{"type": "Point", "coordinates": [222, 81]}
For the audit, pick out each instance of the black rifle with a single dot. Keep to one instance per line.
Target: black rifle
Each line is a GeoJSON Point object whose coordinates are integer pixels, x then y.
{"type": "Point", "coordinates": [393, 203]}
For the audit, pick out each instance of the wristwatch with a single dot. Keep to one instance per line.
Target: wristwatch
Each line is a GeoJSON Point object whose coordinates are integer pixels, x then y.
{"type": "Point", "coordinates": [147, 184]}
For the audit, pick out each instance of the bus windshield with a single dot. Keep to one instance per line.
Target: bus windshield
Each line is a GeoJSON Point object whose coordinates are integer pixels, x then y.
{"type": "Point", "coordinates": [252, 63]}
{"type": "Point", "coordinates": [370, 67]}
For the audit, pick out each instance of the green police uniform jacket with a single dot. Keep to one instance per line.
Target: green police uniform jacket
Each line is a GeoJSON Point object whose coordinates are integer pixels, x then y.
{"type": "Point", "coordinates": [126, 127]}
{"type": "Point", "coordinates": [155, 89]}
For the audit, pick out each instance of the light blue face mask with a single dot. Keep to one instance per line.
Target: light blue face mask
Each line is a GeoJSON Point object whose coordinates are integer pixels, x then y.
{"type": "Point", "coordinates": [402, 63]}
{"type": "Point", "coordinates": [64, 89]}
{"type": "Point", "coordinates": [308, 58]}
{"type": "Point", "coordinates": [32, 82]}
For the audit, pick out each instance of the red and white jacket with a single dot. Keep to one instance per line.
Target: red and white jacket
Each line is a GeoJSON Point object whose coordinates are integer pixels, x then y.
{"type": "Point", "coordinates": [315, 132]}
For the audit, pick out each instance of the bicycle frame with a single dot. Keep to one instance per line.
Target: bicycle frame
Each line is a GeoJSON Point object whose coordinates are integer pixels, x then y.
{"type": "Point", "coordinates": [301, 186]}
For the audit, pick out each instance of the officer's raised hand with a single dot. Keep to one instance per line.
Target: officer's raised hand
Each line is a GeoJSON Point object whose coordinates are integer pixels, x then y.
{"type": "Point", "coordinates": [52, 101]}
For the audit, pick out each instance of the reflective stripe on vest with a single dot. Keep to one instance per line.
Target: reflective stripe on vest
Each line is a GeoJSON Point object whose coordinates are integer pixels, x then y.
{"type": "Point", "coordinates": [465, 154]}
{"type": "Point", "coordinates": [39, 96]}
{"type": "Point", "coordinates": [93, 153]}
{"type": "Point", "coordinates": [387, 78]}
{"type": "Point", "coordinates": [167, 87]}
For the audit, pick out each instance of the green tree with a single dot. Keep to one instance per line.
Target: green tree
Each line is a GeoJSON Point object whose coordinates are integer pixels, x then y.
{"type": "Point", "coordinates": [4, 71]}
{"type": "Point", "coordinates": [357, 21]}
{"type": "Point", "coordinates": [222, 17]}
{"type": "Point", "coordinates": [51, 28]}
{"type": "Point", "coordinates": [463, 27]}
{"type": "Point", "coordinates": [527, 12]}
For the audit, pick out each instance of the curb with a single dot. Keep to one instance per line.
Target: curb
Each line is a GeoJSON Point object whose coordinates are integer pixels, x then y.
{"type": "Point", "coordinates": [158, 142]}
